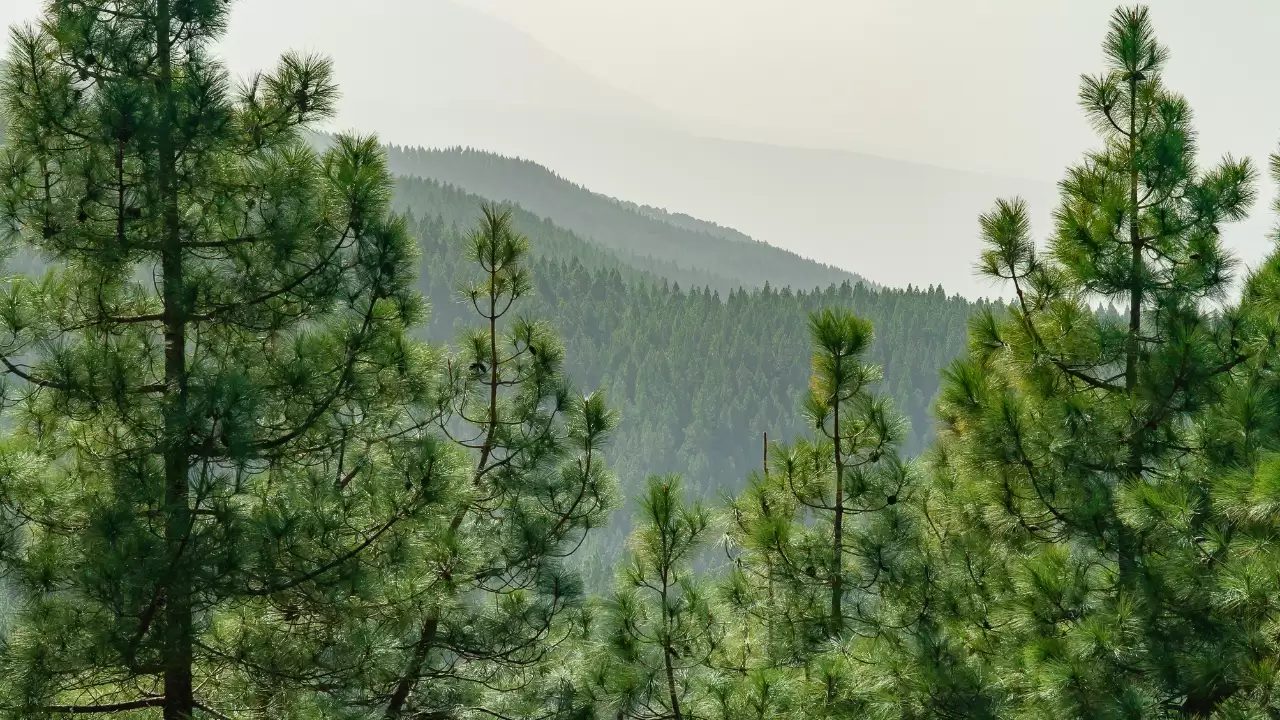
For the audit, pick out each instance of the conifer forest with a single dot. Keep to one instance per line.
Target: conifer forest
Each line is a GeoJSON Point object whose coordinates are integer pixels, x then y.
{"type": "Point", "coordinates": [299, 424]}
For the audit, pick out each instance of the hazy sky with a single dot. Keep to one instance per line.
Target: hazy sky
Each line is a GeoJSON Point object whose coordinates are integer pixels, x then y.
{"type": "Point", "coordinates": [976, 84]}
{"type": "Point", "coordinates": [985, 85]}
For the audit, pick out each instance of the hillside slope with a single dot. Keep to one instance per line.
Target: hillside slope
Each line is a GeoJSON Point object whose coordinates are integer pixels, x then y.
{"type": "Point", "coordinates": [649, 235]}
{"type": "Point", "coordinates": [458, 208]}
{"type": "Point", "coordinates": [698, 376]}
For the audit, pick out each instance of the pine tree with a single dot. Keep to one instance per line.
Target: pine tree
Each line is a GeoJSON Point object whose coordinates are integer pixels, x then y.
{"type": "Point", "coordinates": [858, 443]}
{"type": "Point", "coordinates": [216, 412]}
{"type": "Point", "coordinates": [484, 598]}
{"type": "Point", "coordinates": [1074, 479]}
{"type": "Point", "coordinates": [1236, 672]}
{"type": "Point", "coordinates": [660, 627]}
{"type": "Point", "coordinates": [829, 562]}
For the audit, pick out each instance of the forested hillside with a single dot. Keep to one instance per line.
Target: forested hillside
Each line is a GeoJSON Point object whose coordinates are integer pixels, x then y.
{"type": "Point", "coordinates": [701, 374]}
{"type": "Point", "coordinates": [698, 376]}
{"type": "Point", "coordinates": [729, 258]}
{"type": "Point", "coordinates": [458, 207]}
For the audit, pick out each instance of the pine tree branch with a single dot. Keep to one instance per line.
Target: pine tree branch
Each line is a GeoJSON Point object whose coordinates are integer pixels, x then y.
{"type": "Point", "coordinates": [353, 355]}
{"type": "Point", "coordinates": [210, 711]}
{"type": "Point", "coordinates": [344, 557]}
{"type": "Point", "coordinates": [113, 320]}
{"type": "Point", "coordinates": [500, 716]}
{"type": "Point", "coordinates": [229, 242]}
{"type": "Point", "coordinates": [102, 709]}
{"type": "Point", "coordinates": [1106, 112]}
{"type": "Point", "coordinates": [404, 686]}
{"type": "Point", "coordinates": [219, 310]}
{"type": "Point", "coordinates": [32, 64]}
{"type": "Point", "coordinates": [1035, 335]}
{"type": "Point", "coordinates": [326, 567]}
{"type": "Point", "coordinates": [1084, 377]}
{"type": "Point", "coordinates": [13, 369]}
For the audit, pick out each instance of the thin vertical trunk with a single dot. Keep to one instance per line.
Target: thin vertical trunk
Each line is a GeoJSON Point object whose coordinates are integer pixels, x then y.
{"type": "Point", "coordinates": [1137, 281]}
{"type": "Point", "coordinates": [1135, 244]}
{"type": "Point", "coordinates": [837, 561]}
{"type": "Point", "coordinates": [667, 650]}
{"type": "Point", "coordinates": [426, 639]}
{"type": "Point", "coordinates": [768, 626]}
{"type": "Point", "coordinates": [493, 366]}
{"type": "Point", "coordinates": [671, 685]}
{"type": "Point", "coordinates": [177, 648]}
{"type": "Point", "coordinates": [487, 447]}
{"type": "Point", "coordinates": [765, 466]}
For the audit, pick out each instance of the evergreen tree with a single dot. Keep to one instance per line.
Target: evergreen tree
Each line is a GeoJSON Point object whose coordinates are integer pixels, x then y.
{"type": "Point", "coordinates": [1074, 480]}
{"type": "Point", "coordinates": [215, 409]}
{"type": "Point", "coordinates": [1243, 435]}
{"type": "Point", "coordinates": [483, 597]}
{"type": "Point", "coordinates": [858, 443]}
{"type": "Point", "coordinates": [828, 566]}
{"type": "Point", "coordinates": [660, 626]}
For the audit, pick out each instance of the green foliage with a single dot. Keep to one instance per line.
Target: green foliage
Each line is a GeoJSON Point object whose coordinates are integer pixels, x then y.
{"type": "Point", "coordinates": [828, 563]}
{"type": "Point", "coordinates": [1090, 556]}
{"type": "Point", "coordinates": [483, 596]}
{"type": "Point", "coordinates": [699, 378]}
{"type": "Point", "coordinates": [216, 411]}
{"type": "Point", "coordinates": [234, 484]}
{"type": "Point", "coordinates": [659, 627]}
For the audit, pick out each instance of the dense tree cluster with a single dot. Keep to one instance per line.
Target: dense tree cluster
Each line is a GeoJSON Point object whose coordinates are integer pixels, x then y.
{"type": "Point", "coordinates": [246, 473]}
{"type": "Point", "coordinates": [233, 483]}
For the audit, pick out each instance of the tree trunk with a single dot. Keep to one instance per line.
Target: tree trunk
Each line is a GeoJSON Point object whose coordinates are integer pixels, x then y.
{"type": "Point", "coordinates": [837, 561]}
{"type": "Point", "coordinates": [177, 642]}
{"type": "Point", "coordinates": [666, 559]}
{"type": "Point", "coordinates": [768, 558]}
{"type": "Point", "coordinates": [1135, 244]}
{"type": "Point", "coordinates": [1125, 543]}
{"type": "Point", "coordinates": [671, 684]}
{"type": "Point", "coordinates": [667, 650]}
{"type": "Point", "coordinates": [413, 673]}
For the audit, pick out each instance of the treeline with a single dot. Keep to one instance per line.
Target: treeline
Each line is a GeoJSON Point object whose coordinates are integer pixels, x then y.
{"type": "Point", "coordinates": [237, 482]}
{"type": "Point", "coordinates": [456, 208]}
{"type": "Point", "coordinates": [724, 259]}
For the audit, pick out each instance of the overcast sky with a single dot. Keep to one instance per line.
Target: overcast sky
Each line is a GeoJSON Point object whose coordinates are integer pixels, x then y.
{"type": "Point", "coordinates": [979, 85]}
{"type": "Point", "coordinates": [985, 85]}
{"type": "Point", "coordinates": [976, 84]}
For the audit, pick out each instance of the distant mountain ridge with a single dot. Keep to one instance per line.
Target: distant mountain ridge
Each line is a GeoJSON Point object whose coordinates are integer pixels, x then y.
{"type": "Point", "coordinates": [678, 239]}
{"type": "Point", "coordinates": [457, 208]}
{"type": "Point", "coordinates": [447, 75]}
{"type": "Point", "coordinates": [688, 222]}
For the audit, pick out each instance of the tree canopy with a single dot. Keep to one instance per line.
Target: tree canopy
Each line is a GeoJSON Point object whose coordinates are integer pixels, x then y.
{"type": "Point", "coordinates": [284, 436]}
